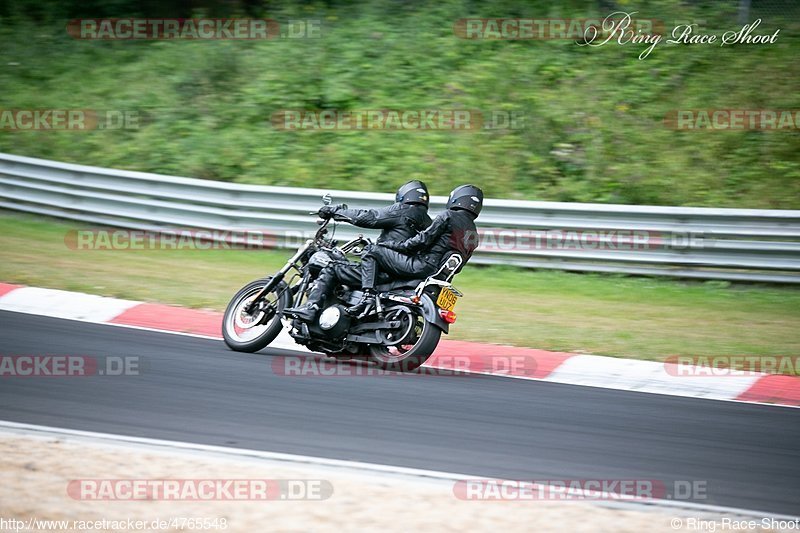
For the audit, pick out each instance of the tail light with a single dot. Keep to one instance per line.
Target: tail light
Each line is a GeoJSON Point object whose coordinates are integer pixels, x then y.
{"type": "Point", "coordinates": [448, 316]}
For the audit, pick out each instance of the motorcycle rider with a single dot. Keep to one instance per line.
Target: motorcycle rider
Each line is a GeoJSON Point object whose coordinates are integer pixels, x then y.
{"type": "Point", "coordinates": [453, 231]}
{"type": "Point", "coordinates": [403, 219]}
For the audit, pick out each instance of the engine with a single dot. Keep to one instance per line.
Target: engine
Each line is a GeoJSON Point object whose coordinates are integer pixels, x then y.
{"type": "Point", "coordinates": [334, 321]}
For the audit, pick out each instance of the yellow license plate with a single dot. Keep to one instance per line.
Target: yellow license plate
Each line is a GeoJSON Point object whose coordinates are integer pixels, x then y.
{"type": "Point", "coordinates": [447, 299]}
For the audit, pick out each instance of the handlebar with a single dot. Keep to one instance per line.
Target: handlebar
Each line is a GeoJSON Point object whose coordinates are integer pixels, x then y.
{"type": "Point", "coordinates": [323, 222]}
{"type": "Point", "coordinates": [343, 206]}
{"type": "Point", "coordinates": [323, 228]}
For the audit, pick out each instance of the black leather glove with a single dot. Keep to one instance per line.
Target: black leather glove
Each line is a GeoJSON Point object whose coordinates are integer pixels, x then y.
{"type": "Point", "coordinates": [327, 211]}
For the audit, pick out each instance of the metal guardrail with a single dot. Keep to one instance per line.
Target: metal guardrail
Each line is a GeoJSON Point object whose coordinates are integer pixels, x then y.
{"type": "Point", "coordinates": [705, 243]}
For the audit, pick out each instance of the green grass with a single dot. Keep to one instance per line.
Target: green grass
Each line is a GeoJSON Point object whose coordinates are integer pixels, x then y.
{"type": "Point", "coordinates": [593, 117]}
{"type": "Point", "coordinates": [644, 318]}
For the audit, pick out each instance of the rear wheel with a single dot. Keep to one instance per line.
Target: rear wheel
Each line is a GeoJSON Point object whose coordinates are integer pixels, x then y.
{"type": "Point", "coordinates": [419, 340]}
{"type": "Point", "coordinates": [245, 332]}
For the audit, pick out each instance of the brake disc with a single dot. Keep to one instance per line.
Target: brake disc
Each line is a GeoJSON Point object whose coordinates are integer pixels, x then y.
{"type": "Point", "coordinates": [245, 320]}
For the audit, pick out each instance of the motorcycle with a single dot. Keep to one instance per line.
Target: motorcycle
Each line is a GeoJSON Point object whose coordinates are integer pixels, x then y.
{"type": "Point", "coordinates": [400, 332]}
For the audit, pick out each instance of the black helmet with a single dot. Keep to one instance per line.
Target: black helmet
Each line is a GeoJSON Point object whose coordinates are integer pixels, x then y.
{"type": "Point", "coordinates": [466, 197]}
{"type": "Point", "coordinates": [413, 192]}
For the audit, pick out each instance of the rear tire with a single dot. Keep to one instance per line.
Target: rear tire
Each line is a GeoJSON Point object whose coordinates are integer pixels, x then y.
{"type": "Point", "coordinates": [407, 358]}
{"type": "Point", "coordinates": [253, 338]}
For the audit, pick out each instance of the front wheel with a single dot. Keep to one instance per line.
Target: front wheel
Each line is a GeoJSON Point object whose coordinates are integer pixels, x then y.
{"type": "Point", "coordinates": [420, 339]}
{"type": "Point", "coordinates": [244, 332]}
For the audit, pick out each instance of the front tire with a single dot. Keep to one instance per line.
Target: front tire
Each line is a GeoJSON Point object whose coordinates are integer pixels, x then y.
{"type": "Point", "coordinates": [246, 333]}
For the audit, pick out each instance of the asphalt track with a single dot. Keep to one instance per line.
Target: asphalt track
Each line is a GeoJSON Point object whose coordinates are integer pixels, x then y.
{"type": "Point", "coordinates": [194, 389]}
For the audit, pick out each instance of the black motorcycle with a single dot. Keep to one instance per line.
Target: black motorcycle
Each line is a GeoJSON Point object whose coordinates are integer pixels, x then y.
{"type": "Point", "coordinates": [400, 332]}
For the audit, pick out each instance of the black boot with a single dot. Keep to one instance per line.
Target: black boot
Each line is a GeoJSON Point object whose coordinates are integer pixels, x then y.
{"type": "Point", "coordinates": [306, 312]}
{"type": "Point", "coordinates": [367, 300]}
{"type": "Point", "coordinates": [317, 295]}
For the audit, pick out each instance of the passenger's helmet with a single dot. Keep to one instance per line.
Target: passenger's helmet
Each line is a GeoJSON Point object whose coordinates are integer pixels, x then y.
{"type": "Point", "coordinates": [413, 192]}
{"type": "Point", "coordinates": [466, 197]}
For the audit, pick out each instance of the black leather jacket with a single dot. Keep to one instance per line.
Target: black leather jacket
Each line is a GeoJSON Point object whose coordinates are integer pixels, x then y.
{"type": "Point", "coordinates": [452, 231]}
{"type": "Point", "coordinates": [398, 222]}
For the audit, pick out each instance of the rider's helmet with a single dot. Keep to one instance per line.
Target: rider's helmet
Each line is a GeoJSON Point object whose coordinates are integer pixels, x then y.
{"type": "Point", "coordinates": [413, 192]}
{"type": "Point", "coordinates": [466, 197]}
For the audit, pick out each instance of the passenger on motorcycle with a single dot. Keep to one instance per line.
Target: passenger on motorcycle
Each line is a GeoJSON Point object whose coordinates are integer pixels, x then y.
{"type": "Point", "coordinates": [400, 221]}
{"type": "Point", "coordinates": [451, 232]}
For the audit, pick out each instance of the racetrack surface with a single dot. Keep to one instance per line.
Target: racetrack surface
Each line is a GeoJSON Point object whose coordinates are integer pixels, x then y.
{"type": "Point", "coordinates": [194, 389]}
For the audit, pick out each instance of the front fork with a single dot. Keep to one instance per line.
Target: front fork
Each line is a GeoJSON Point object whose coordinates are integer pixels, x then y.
{"type": "Point", "coordinates": [278, 277]}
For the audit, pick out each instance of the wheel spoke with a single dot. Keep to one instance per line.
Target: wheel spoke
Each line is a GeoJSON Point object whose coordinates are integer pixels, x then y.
{"type": "Point", "coordinates": [238, 324]}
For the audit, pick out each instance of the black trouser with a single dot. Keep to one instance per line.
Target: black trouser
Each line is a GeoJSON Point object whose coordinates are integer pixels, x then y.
{"type": "Point", "coordinates": [377, 264]}
{"type": "Point", "coordinates": [397, 265]}
{"type": "Point", "coordinates": [336, 272]}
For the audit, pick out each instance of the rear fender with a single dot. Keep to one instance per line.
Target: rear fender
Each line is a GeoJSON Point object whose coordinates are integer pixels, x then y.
{"type": "Point", "coordinates": [431, 313]}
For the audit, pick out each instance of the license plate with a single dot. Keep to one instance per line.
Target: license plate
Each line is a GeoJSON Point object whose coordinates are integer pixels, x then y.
{"type": "Point", "coordinates": [447, 299]}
